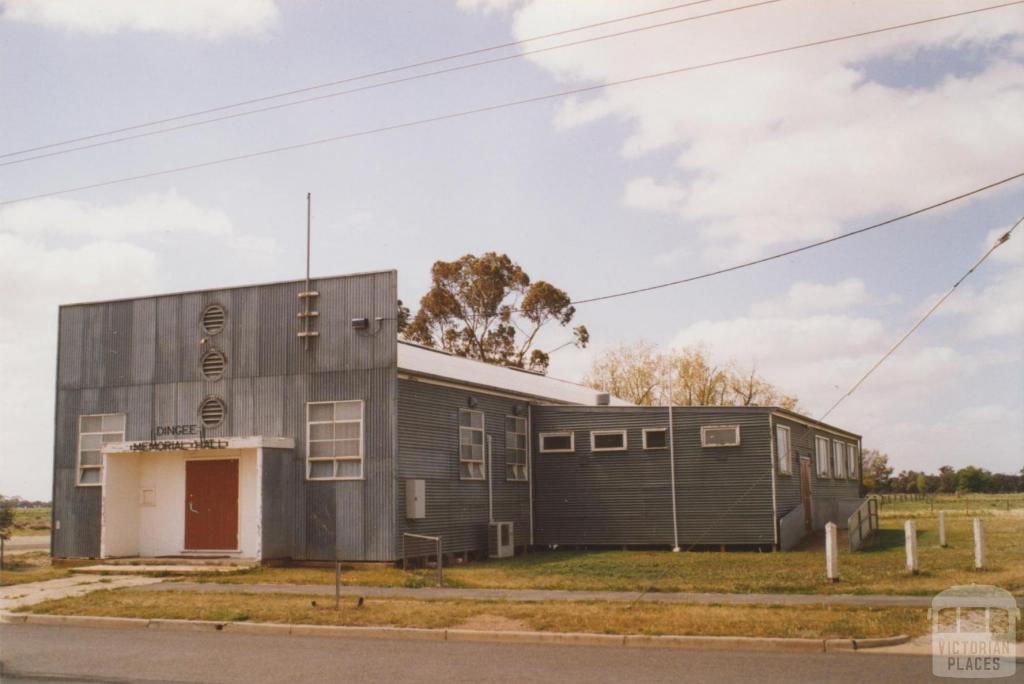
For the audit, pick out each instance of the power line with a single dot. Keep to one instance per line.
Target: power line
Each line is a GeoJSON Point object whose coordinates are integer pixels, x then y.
{"type": "Point", "coordinates": [384, 84]}
{"type": "Point", "coordinates": [999, 243]}
{"type": "Point", "coordinates": [504, 105]}
{"type": "Point", "coordinates": [360, 77]}
{"type": "Point", "coordinates": [804, 248]}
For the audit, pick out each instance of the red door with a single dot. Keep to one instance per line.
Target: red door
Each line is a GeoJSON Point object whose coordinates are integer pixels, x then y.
{"type": "Point", "coordinates": [211, 505]}
{"type": "Point", "coordinates": [805, 492]}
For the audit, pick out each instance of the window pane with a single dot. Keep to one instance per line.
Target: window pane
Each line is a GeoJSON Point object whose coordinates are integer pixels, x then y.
{"type": "Point", "coordinates": [114, 423]}
{"type": "Point", "coordinates": [321, 431]}
{"type": "Point", "coordinates": [90, 476]}
{"type": "Point", "coordinates": [92, 423]}
{"type": "Point", "coordinates": [91, 442]}
{"type": "Point", "coordinates": [477, 437]}
{"type": "Point", "coordinates": [610, 441]}
{"type": "Point", "coordinates": [556, 442]}
{"type": "Point", "coordinates": [111, 437]}
{"type": "Point", "coordinates": [657, 439]}
{"type": "Point", "coordinates": [320, 449]}
{"type": "Point", "coordinates": [91, 458]}
{"type": "Point", "coordinates": [721, 436]}
{"type": "Point", "coordinates": [319, 413]}
{"type": "Point", "coordinates": [321, 469]}
{"type": "Point", "coordinates": [346, 447]}
{"type": "Point", "coordinates": [349, 469]}
{"type": "Point", "coordinates": [348, 410]}
{"type": "Point", "coordinates": [346, 431]}
{"type": "Point", "coordinates": [469, 418]}
{"type": "Point", "coordinates": [510, 424]}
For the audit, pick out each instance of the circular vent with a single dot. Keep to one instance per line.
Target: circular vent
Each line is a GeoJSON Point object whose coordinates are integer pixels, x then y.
{"type": "Point", "coordinates": [213, 319]}
{"type": "Point", "coordinates": [211, 412]}
{"type": "Point", "coordinates": [213, 364]}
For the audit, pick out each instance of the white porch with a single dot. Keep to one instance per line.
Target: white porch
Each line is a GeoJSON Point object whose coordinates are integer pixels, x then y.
{"type": "Point", "coordinates": [145, 503]}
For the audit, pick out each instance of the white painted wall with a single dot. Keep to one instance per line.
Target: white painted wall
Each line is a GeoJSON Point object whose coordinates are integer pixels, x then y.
{"type": "Point", "coordinates": [120, 506]}
{"type": "Point", "coordinates": [159, 528]}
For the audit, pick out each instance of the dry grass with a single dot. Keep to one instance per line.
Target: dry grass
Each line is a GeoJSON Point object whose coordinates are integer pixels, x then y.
{"type": "Point", "coordinates": [593, 617]}
{"type": "Point", "coordinates": [33, 566]}
{"type": "Point", "coordinates": [31, 522]}
{"type": "Point", "coordinates": [880, 569]}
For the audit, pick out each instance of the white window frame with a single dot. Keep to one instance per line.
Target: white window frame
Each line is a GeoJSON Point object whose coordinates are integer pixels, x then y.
{"type": "Point", "coordinates": [482, 461]}
{"type": "Point", "coordinates": [779, 430]}
{"type": "Point", "coordinates": [572, 442]}
{"type": "Point", "coordinates": [655, 448]}
{"type": "Point", "coordinates": [594, 434]}
{"type": "Point", "coordinates": [852, 461]}
{"type": "Point", "coordinates": [524, 476]}
{"type": "Point", "coordinates": [825, 472]}
{"type": "Point", "coordinates": [704, 440]}
{"type": "Point", "coordinates": [79, 468]}
{"type": "Point", "coordinates": [838, 473]}
{"type": "Point", "coordinates": [335, 459]}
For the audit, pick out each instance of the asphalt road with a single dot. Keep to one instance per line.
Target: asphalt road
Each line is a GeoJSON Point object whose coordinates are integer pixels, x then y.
{"type": "Point", "coordinates": [44, 653]}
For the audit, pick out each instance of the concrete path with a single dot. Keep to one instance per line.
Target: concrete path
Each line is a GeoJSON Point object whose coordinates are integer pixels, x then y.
{"type": "Point", "coordinates": [874, 600]}
{"type": "Point", "coordinates": [21, 595]}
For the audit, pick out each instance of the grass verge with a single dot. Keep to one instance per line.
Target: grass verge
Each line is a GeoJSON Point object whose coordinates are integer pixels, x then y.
{"type": "Point", "coordinates": [32, 566]}
{"type": "Point", "coordinates": [880, 569]}
{"type": "Point", "coordinates": [592, 617]}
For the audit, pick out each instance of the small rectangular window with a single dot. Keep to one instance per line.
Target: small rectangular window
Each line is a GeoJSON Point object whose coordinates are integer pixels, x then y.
{"type": "Point", "coordinates": [471, 445]}
{"type": "Point", "coordinates": [851, 461]}
{"type": "Point", "coordinates": [515, 449]}
{"type": "Point", "coordinates": [783, 449]}
{"type": "Point", "coordinates": [334, 436]}
{"type": "Point", "coordinates": [608, 440]}
{"type": "Point", "coordinates": [720, 435]}
{"type": "Point", "coordinates": [94, 432]}
{"type": "Point", "coordinates": [838, 459]}
{"type": "Point", "coordinates": [655, 438]}
{"type": "Point", "coordinates": [557, 442]}
{"type": "Point", "coordinates": [821, 455]}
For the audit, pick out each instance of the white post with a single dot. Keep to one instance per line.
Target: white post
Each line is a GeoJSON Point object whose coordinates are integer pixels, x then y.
{"type": "Point", "coordinates": [831, 553]}
{"type": "Point", "coordinates": [910, 532]}
{"type": "Point", "coordinates": [942, 529]}
{"type": "Point", "coordinates": [979, 545]}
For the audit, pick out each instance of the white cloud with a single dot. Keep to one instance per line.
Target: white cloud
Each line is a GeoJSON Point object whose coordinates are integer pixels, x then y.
{"type": "Point", "coordinates": [806, 297]}
{"type": "Point", "coordinates": [793, 147]}
{"type": "Point", "coordinates": [150, 214]}
{"type": "Point", "coordinates": [488, 5]}
{"type": "Point", "coordinates": [209, 19]}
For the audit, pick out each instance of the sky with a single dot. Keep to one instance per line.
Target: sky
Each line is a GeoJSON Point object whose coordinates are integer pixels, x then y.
{"type": "Point", "coordinates": [609, 189]}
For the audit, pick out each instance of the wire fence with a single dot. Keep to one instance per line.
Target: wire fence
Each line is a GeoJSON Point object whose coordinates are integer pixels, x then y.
{"type": "Point", "coordinates": [422, 547]}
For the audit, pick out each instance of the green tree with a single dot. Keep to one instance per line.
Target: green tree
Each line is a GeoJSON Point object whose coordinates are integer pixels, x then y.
{"type": "Point", "coordinates": [487, 308]}
{"type": "Point", "coordinates": [877, 471]}
{"type": "Point", "coordinates": [921, 483]}
{"type": "Point", "coordinates": [973, 479]}
{"type": "Point", "coordinates": [947, 479]}
{"type": "Point", "coordinates": [6, 525]}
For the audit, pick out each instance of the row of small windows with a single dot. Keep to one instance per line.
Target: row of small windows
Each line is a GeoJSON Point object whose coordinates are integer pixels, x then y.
{"type": "Point", "coordinates": [833, 458]}
{"type": "Point", "coordinates": [601, 440]}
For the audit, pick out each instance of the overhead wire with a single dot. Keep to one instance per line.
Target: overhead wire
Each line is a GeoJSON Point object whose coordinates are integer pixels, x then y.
{"type": "Point", "coordinates": [384, 84]}
{"type": "Point", "coordinates": [507, 104]}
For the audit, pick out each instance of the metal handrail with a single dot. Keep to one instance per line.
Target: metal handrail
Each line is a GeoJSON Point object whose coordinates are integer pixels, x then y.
{"type": "Point", "coordinates": [437, 540]}
{"type": "Point", "coordinates": [866, 513]}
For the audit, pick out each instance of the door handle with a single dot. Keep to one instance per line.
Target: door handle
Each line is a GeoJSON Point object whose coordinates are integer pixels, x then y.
{"type": "Point", "coordinates": [192, 508]}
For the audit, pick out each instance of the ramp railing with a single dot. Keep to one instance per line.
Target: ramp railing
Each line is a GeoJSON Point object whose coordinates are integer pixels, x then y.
{"type": "Point", "coordinates": [863, 523]}
{"type": "Point", "coordinates": [436, 550]}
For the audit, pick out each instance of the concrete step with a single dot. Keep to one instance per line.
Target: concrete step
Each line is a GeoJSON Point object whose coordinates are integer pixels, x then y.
{"type": "Point", "coordinates": [155, 568]}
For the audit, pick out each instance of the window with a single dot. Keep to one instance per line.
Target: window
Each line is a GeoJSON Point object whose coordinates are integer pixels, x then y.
{"type": "Point", "coordinates": [720, 435]}
{"type": "Point", "coordinates": [821, 455]}
{"type": "Point", "coordinates": [851, 461]}
{"type": "Point", "coordinates": [838, 458]}
{"type": "Point", "coordinates": [471, 445]}
{"type": "Point", "coordinates": [783, 450]}
{"type": "Point", "coordinates": [334, 435]}
{"type": "Point", "coordinates": [655, 438]}
{"type": "Point", "coordinates": [557, 442]}
{"type": "Point", "coordinates": [515, 449]}
{"type": "Point", "coordinates": [93, 432]}
{"type": "Point", "coordinates": [608, 440]}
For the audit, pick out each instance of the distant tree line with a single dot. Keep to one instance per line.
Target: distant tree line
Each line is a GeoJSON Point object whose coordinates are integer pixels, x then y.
{"type": "Point", "coordinates": [879, 479]}
{"type": "Point", "coordinates": [18, 502]}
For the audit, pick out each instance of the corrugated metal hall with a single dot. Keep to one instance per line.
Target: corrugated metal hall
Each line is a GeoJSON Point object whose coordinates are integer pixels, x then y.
{"type": "Point", "coordinates": [286, 421]}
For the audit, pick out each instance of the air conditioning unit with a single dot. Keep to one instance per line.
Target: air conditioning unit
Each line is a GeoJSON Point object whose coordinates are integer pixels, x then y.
{"type": "Point", "coordinates": [500, 541]}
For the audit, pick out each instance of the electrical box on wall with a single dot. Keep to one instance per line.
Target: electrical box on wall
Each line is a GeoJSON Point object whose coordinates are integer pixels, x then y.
{"type": "Point", "coordinates": [415, 499]}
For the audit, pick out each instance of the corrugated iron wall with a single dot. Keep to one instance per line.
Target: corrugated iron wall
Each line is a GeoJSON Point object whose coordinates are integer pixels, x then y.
{"type": "Point", "coordinates": [723, 495]}
{"type": "Point", "coordinates": [141, 357]}
{"type": "Point", "coordinates": [428, 449]}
